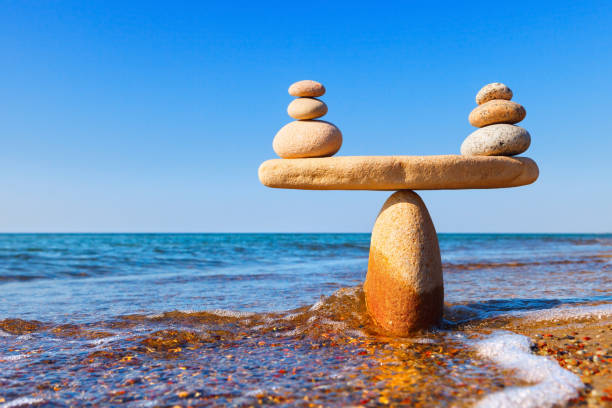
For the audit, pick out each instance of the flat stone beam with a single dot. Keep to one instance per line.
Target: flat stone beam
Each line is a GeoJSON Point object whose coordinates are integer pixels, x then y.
{"type": "Point", "coordinates": [398, 172]}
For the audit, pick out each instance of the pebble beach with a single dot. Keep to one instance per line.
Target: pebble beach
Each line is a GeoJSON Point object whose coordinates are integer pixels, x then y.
{"type": "Point", "coordinates": [582, 345]}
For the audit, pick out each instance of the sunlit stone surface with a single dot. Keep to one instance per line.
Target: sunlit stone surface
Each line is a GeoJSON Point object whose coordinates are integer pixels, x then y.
{"type": "Point", "coordinates": [404, 291]}
{"type": "Point", "coordinates": [398, 172]}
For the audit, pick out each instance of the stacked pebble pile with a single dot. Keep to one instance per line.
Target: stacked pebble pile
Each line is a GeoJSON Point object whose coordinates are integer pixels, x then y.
{"type": "Point", "coordinates": [496, 115]}
{"type": "Point", "coordinates": [306, 137]}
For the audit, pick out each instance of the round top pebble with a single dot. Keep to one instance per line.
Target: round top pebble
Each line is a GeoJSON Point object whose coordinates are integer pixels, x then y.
{"type": "Point", "coordinates": [496, 90]}
{"type": "Point", "coordinates": [306, 88]}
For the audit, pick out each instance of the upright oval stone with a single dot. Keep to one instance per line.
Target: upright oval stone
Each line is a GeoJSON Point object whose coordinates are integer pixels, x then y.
{"type": "Point", "coordinates": [497, 111]}
{"type": "Point", "coordinates": [404, 289]}
{"type": "Point", "coordinates": [306, 108]}
{"type": "Point", "coordinates": [492, 91]}
{"type": "Point", "coordinates": [306, 88]}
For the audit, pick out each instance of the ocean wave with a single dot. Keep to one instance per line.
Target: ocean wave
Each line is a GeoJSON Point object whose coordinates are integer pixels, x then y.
{"type": "Point", "coordinates": [14, 357]}
{"type": "Point", "coordinates": [20, 278]}
{"type": "Point", "coordinates": [521, 264]}
{"type": "Point", "coordinates": [568, 313]}
{"type": "Point", "coordinates": [105, 340]}
{"type": "Point", "coordinates": [230, 313]}
{"type": "Point", "coordinates": [533, 309]}
{"type": "Point", "coordinates": [21, 401]}
{"type": "Point", "coordinates": [328, 246]}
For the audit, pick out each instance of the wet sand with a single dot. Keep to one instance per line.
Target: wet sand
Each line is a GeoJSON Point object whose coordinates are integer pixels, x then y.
{"type": "Point", "coordinates": [316, 356]}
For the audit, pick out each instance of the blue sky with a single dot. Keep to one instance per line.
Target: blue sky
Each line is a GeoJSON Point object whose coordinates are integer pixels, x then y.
{"type": "Point", "coordinates": [147, 116]}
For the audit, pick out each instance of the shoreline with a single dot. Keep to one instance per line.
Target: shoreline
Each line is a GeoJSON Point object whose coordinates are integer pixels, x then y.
{"type": "Point", "coordinates": [581, 344]}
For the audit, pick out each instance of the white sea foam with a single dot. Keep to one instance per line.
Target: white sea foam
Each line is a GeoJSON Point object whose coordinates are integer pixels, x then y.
{"type": "Point", "coordinates": [316, 306]}
{"type": "Point", "coordinates": [423, 341]}
{"type": "Point", "coordinates": [568, 312]}
{"type": "Point", "coordinates": [218, 312]}
{"type": "Point", "coordinates": [230, 313]}
{"type": "Point", "coordinates": [21, 401]}
{"type": "Point", "coordinates": [327, 322]}
{"type": "Point", "coordinates": [553, 385]}
{"type": "Point", "coordinates": [14, 357]}
{"type": "Point", "coordinates": [336, 325]}
{"type": "Point", "coordinates": [291, 333]}
{"type": "Point", "coordinates": [352, 291]}
{"type": "Point", "coordinates": [255, 392]}
{"type": "Point", "coordinates": [355, 333]}
{"type": "Point", "coordinates": [104, 340]}
{"type": "Point", "coordinates": [143, 403]}
{"type": "Point", "coordinates": [4, 334]}
{"type": "Point", "coordinates": [464, 313]}
{"type": "Point", "coordinates": [268, 319]}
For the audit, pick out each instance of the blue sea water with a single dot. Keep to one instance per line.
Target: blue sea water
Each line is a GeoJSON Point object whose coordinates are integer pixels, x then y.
{"type": "Point", "coordinates": [143, 320]}
{"type": "Point", "coordinates": [79, 277]}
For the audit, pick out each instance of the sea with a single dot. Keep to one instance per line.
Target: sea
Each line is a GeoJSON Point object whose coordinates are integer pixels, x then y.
{"type": "Point", "coordinates": [166, 320]}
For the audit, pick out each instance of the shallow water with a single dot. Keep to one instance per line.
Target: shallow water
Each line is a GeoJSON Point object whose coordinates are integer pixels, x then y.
{"type": "Point", "coordinates": [238, 319]}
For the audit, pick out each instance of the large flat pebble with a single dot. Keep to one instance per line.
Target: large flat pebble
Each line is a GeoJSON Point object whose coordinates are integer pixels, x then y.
{"type": "Point", "coordinates": [398, 172]}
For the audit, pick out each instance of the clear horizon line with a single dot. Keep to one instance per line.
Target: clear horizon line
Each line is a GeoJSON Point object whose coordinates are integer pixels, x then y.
{"type": "Point", "coordinates": [283, 232]}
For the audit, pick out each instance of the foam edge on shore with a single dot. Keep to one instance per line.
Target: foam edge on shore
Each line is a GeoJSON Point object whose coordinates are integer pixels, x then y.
{"type": "Point", "coordinates": [553, 385]}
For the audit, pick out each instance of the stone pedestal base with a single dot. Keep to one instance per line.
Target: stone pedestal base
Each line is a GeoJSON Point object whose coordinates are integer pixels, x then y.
{"type": "Point", "coordinates": [404, 289]}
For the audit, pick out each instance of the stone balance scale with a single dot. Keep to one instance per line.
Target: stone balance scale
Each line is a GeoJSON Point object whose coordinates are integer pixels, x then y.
{"type": "Point", "coordinates": [404, 289]}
